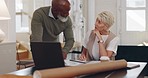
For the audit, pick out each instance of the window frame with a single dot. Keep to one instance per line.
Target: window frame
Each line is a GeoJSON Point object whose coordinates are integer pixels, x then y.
{"type": "Point", "coordinates": [123, 10]}
{"type": "Point", "coordinates": [21, 28]}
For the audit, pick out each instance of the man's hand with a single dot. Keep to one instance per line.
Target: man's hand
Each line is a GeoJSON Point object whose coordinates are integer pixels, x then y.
{"type": "Point", "coordinates": [64, 55]}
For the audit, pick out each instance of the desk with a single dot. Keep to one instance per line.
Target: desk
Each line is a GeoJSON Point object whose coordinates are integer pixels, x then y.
{"type": "Point", "coordinates": [122, 73]}
{"type": "Point", "coordinates": [138, 72]}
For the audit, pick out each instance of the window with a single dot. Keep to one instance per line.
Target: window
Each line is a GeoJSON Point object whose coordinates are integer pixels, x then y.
{"type": "Point", "coordinates": [133, 23]}
{"type": "Point", "coordinates": [22, 16]}
{"type": "Point", "coordinates": [135, 15]}
{"type": "Point", "coordinates": [135, 20]}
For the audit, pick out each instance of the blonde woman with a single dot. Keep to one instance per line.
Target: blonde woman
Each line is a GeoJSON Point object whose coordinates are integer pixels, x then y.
{"type": "Point", "coordinates": [100, 43]}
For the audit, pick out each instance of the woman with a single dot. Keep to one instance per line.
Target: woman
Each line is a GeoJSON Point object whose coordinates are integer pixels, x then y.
{"type": "Point", "coordinates": [100, 43]}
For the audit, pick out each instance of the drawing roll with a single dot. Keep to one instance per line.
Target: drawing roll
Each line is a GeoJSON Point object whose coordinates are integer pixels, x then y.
{"type": "Point", "coordinates": [73, 71]}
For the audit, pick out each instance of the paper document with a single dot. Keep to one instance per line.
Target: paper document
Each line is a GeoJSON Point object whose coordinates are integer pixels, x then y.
{"type": "Point", "coordinates": [72, 63]}
{"type": "Point", "coordinates": [78, 62]}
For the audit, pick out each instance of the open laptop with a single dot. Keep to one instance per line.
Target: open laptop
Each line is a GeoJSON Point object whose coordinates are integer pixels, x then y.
{"type": "Point", "coordinates": [47, 55]}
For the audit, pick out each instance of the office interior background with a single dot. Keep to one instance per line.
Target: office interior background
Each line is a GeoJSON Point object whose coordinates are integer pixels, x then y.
{"type": "Point", "coordinates": [131, 23]}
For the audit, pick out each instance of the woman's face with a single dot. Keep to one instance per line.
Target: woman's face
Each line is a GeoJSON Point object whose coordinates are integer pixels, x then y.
{"type": "Point", "coordinates": [100, 26]}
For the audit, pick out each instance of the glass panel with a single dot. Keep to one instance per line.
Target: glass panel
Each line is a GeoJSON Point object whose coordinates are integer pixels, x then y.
{"type": "Point", "coordinates": [22, 15]}
{"type": "Point", "coordinates": [18, 5]}
{"type": "Point", "coordinates": [22, 23]}
{"type": "Point", "coordinates": [135, 3]}
{"type": "Point", "coordinates": [135, 20]}
{"type": "Point", "coordinates": [18, 22]}
{"type": "Point", "coordinates": [25, 21]}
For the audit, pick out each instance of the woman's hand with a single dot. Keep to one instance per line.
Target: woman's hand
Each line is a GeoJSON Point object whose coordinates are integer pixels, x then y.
{"type": "Point", "coordinates": [82, 57]}
{"type": "Point", "coordinates": [97, 34]}
{"type": "Point", "coordinates": [83, 54]}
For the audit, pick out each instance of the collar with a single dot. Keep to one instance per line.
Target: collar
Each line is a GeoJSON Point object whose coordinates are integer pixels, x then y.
{"type": "Point", "coordinates": [50, 13]}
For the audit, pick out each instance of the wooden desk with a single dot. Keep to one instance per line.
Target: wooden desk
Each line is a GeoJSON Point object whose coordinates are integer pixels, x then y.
{"type": "Point", "coordinates": [138, 72]}
{"type": "Point", "coordinates": [122, 73]}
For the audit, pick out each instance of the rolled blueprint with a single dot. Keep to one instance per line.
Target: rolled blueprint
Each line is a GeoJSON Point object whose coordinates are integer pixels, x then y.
{"type": "Point", "coordinates": [13, 76]}
{"type": "Point", "coordinates": [73, 71]}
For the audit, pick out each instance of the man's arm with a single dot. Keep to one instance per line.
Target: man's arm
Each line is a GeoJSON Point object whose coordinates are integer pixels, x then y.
{"type": "Point", "coordinates": [36, 27]}
{"type": "Point", "coordinates": [69, 38]}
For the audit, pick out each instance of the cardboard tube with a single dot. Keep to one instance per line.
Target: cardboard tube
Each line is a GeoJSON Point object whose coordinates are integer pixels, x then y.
{"type": "Point", "coordinates": [13, 76]}
{"type": "Point", "coordinates": [73, 71]}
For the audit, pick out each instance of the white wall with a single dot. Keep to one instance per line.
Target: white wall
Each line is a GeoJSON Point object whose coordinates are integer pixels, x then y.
{"type": "Point", "coordinates": [8, 26]}
{"type": "Point", "coordinates": [102, 5]}
{"type": "Point", "coordinates": [7, 48]}
{"type": "Point", "coordinates": [97, 6]}
{"type": "Point", "coordinates": [7, 57]}
{"type": "Point", "coordinates": [91, 14]}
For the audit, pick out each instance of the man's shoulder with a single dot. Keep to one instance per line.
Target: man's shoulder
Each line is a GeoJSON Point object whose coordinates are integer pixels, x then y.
{"type": "Point", "coordinates": [46, 8]}
{"type": "Point", "coordinates": [69, 21]}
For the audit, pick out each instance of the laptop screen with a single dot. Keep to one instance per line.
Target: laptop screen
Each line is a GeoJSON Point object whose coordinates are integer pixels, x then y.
{"type": "Point", "coordinates": [47, 55]}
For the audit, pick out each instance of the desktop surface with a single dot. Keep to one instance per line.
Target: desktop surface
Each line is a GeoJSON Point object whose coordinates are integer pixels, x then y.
{"type": "Point", "coordinates": [144, 72]}
{"type": "Point", "coordinates": [139, 72]}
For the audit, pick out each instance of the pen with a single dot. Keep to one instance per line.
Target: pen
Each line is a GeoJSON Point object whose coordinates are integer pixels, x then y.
{"type": "Point", "coordinates": [78, 61]}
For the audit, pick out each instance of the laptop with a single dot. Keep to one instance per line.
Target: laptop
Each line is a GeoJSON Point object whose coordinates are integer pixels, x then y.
{"type": "Point", "coordinates": [47, 55]}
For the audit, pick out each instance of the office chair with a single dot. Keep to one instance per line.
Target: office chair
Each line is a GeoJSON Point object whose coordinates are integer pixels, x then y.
{"type": "Point", "coordinates": [21, 60]}
{"type": "Point", "coordinates": [132, 53]}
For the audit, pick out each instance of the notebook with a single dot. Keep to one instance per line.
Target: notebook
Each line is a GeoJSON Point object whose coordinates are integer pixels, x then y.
{"type": "Point", "coordinates": [47, 55]}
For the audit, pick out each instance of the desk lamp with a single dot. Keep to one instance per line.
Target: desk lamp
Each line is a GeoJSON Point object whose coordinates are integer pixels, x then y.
{"type": "Point", "coordinates": [4, 15]}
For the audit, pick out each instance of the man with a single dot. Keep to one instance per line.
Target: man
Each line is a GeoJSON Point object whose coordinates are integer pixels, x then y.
{"type": "Point", "coordinates": [48, 22]}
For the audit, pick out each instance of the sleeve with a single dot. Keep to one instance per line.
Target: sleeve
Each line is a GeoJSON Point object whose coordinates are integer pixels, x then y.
{"type": "Point", "coordinates": [36, 27]}
{"type": "Point", "coordinates": [69, 37]}
{"type": "Point", "coordinates": [113, 45]}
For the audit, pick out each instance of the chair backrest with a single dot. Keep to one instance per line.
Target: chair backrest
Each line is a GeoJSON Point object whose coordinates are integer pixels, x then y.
{"type": "Point", "coordinates": [22, 51]}
{"type": "Point", "coordinates": [132, 53]}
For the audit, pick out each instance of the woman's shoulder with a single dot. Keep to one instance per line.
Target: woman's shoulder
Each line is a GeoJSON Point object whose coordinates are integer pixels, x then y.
{"type": "Point", "coordinates": [116, 38]}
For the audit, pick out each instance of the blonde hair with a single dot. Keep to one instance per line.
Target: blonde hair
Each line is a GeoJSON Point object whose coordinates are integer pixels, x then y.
{"type": "Point", "coordinates": [106, 17]}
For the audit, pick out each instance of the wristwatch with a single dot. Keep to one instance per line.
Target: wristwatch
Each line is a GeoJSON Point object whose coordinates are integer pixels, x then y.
{"type": "Point", "coordinates": [100, 41]}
